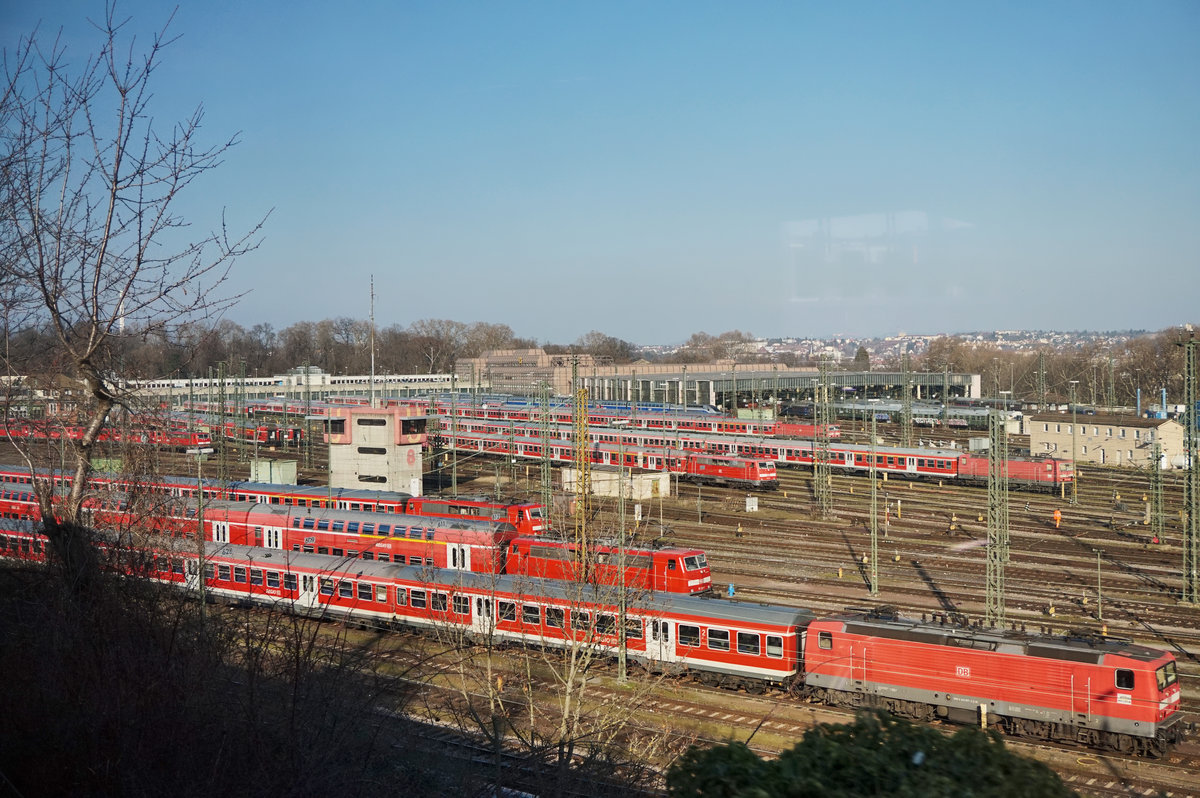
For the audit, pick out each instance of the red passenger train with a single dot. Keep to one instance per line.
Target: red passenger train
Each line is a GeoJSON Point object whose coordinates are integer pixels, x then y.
{"type": "Point", "coordinates": [174, 439]}
{"type": "Point", "coordinates": [528, 518]}
{"type": "Point", "coordinates": [483, 546]}
{"type": "Point", "coordinates": [654, 420]}
{"type": "Point", "coordinates": [1099, 692]}
{"type": "Point", "coordinates": [737, 471]}
{"type": "Point", "coordinates": [1024, 473]}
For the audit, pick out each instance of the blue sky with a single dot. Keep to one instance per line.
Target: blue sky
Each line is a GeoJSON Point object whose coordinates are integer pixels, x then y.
{"type": "Point", "coordinates": [650, 170]}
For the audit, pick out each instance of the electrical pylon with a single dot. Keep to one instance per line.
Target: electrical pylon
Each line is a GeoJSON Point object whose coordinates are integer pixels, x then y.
{"type": "Point", "coordinates": [822, 481]}
{"type": "Point", "coordinates": [1191, 494]}
{"type": "Point", "coordinates": [997, 543]}
{"type": "Point", "coordinates": [547, 473]}
{"type": "Point", "coordinates": [906, 415]}
{"type": "Point", "coordinates": [1157, 517]}
{"type": "Point", "coordinates": [874, 518]}
{"type": "Point", "coordinates": [583, 464]}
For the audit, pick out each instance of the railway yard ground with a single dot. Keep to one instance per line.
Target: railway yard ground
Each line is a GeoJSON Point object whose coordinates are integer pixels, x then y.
{"type": "Point", "coordinates": [1100, 570]}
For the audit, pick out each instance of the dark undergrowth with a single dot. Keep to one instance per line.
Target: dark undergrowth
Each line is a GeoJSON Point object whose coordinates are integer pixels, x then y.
{"type": "Point", "coordinates": [126, 690]}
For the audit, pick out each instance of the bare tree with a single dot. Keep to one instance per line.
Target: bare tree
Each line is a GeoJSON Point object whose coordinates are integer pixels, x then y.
{"type": "Point", "coordinates": [94, 246]}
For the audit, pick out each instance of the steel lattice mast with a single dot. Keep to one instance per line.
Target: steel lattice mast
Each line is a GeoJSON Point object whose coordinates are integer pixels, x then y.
{"type": "Point", "coordinates": [583, 462]}
{"type": "Point", "coordinates": [1191, 495]}
{"type": "Point", "coordinates": [997, 543]}
{"type": "Point", "coordinates": [874, 517]}
{"type": "Point", "coordinates": [906, 414]}
{"type": "Point", "coordinates": [1157, 517]}
{"type": "Point", "coordinates": [822, 481]}
{"type": "Point", "coordinates": [547, 478]}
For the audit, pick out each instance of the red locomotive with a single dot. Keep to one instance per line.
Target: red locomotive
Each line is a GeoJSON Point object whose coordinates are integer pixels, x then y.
{"type": "Point", "coordinates": [1099, 691]}
{"type": "Point", "coordinates": [667, 570]}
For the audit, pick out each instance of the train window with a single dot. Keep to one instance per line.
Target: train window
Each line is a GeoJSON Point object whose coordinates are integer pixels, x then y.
{"type": "Point", "coordinates": [462, 605]}
{"type": "Point", "coordinates": [223, 572]}
{"type": "Point", "coordinates": [322, 549]}
{"type": "Point", "coordinates": [272, 579]}
{"type": "Point", "coordinates": [368, 528]}
{"type": "Point", "coordinates": [383, 557]}
{"type": "Point", "coordinates": [531, 614]}
{"type": "Point", "coordinates": [1124, 679]}
{"type": "Point", "coordinates": [920, 462]}
{"type": "Point", "coordinates": [582, 620]}
{"type": "Point", "coordinates": [352, 526]}
{"type": "Point", "coordinates": [289, 581]}
{"type": "Point", "coordinates": [338, 526]}
{"type": "Point", "coordinates": [1166, 676]}
{"type": "Point", "coordinates": [256, 576]}
{"type": "Point", "coordinates": [352, 553]}
{"type": "Point", "coordinates": [606, 624]}
{"type": "Point", "coordinates": [326, 587]}
{"type": "Point", "coordinates": [689, 635]}
{"type": "Point", "coordinates": [380, 594]}
{"type": "Point", "coordinates": [162, 563]}
{"type": "Point", "coordinates": [239, 574]}
{"type": "Point", "coordinates": [308, 549]}
{"type": "Point", "coordinates": [401, 596]}
{"type": "Point", "coordinates": [825, 640]}
{"type": "Point", "coordinates": [365, 591]}
{"type": "Point", "coordinates": [774, 646]}
{"type": "Point", "coordinates": [671, 565]}
{"type": "Point", "coordinates": [209, 570]}
{"type": "Point", "coordinates": [323, 523]}
{"type": "Point", "coordinates": [633, 628]}
{"type": "Point", "coordinates": [718, 639]}
{"type": "Point", "coordinates": [507, 611]}
{"type": "Point", "coordinates": [309, 523]}
{"type": "Point", "coordinates": [439, 602]}
{"type": "Point", "coordinates": [368, 555]}
{"type": "Point", "coordinates": [345, 588]}
{"type": "Point", "coordinates": [418, 599]}
{"type": "Point", "coordinates": [748, 643]}
{"type": "Point", "coordinates": [399, 559]}
{"type": "Point", "coordinates": [554, 617]}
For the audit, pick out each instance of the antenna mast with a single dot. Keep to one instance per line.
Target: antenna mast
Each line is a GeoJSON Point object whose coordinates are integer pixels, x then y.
{"type": "Point", "coordinates": [371, 385]}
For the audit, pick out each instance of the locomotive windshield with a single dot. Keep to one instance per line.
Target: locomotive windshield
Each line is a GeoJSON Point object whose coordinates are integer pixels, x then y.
{"type": "Point", "coordinates": [1166, 676]}
{"type": "Point", "coordinates": [695, 562]}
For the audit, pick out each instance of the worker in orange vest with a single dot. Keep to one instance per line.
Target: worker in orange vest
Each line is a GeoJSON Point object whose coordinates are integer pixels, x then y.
{"type": "Point", "coordinates": [1057, 518]}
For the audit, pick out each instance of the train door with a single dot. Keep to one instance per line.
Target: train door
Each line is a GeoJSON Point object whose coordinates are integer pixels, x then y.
{"type": "Point", "coordinates": [220, 532]}
{"type": "Point", "coordinates": [272, 537]}
{"type": "Point", "coordinates": [307, 595]}
{"type": "Point", "coordinates": [484, 621]}
{"type": "Point", "coordinates": [1081, 697]}
{"type": "Point", "coordinates": [859, 655]}
{"type": "Point", "coordinates": [910, 465]}
{"type": "Point", "coordinates": [458, 556]}
{"type": "Point", "coordinates": [660, 647]}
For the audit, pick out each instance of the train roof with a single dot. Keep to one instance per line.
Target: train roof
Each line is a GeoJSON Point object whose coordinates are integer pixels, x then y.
{"type": "Point", "coordinates": [284, 512]}
{"type": "Point", "coordinates": [517, 586]}
{"type": "Point", "coordinates": [1084, 647]}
